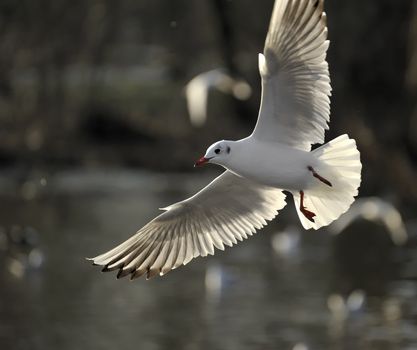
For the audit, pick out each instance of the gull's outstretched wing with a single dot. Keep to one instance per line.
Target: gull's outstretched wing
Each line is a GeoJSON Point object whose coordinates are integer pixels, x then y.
{"type": "Point", "coordinates": [295, 104]}
{"type": "Point", "coordinates": [228, 210]}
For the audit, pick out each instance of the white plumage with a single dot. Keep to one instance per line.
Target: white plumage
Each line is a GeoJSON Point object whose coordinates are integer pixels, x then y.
{"type": "Point", "coordinates": [344, 168]}
{"type": "Point", "coordinates": [294, 114]}
{"type": "Point", "coordinates": [295, 104]}
{"type": "Point", "coordinates": [228, 210]}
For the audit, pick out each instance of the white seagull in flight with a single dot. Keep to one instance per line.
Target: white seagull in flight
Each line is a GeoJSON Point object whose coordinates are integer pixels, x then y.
{"type": "Point", "coordinates": [277, 156]}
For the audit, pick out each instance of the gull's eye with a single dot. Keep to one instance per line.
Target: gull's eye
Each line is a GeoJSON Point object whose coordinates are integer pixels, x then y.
{"type": "Point", "coordinates": [217, 150]}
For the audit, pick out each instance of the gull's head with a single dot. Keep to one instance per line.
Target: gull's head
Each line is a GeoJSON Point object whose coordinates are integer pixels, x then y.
{"type": "Point", "coordinates": [217, 153]}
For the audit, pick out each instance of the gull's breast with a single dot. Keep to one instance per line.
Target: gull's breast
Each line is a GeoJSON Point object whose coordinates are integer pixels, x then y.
{"type": "Point", "coordinates": [275, 165]}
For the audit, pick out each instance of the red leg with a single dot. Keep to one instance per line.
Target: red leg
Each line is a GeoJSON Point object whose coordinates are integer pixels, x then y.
{"type": "Point", "coordinates": [308, 214]}
{"type": "Point", "coordinates": [317, 176]}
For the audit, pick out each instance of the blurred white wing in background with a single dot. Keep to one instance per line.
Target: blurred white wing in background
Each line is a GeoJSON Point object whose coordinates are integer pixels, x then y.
{"type": "Point", "coordinates": [197, 92]}
{"type": "Point", "coordinates": [295, 105]}
{"type": "Point", "coordinates": [376, 210]}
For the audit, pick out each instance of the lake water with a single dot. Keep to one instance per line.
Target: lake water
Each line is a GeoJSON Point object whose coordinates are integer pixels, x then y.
{"type": "Point", "coordinates": [282, 289]}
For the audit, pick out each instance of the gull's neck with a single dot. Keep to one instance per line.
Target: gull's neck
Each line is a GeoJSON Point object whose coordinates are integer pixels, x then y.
{"type": "Point", "coordinates": [241, 151]}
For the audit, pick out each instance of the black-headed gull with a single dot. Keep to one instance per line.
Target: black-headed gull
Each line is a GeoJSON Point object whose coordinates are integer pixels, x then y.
{"type": "Point", "coordinates": [277, 156]}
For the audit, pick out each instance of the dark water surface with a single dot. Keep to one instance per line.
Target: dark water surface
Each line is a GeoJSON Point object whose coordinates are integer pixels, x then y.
{"type": "Point", "coordinates": [282, 289]}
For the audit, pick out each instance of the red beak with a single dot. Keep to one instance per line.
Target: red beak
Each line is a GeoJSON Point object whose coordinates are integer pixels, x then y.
{"type": "Point", "coordinates": [201, 161]}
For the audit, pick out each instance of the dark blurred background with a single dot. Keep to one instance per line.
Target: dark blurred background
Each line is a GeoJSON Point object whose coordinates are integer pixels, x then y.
{"type": "Point", "coordinates": [95, 135]}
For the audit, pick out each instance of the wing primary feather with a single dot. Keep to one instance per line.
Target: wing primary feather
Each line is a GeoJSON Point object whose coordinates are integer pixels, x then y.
{"type": "Point", "coordinates": [138, 259]}
{"type": "Point", "coordinates": [159, 258]}
{"type": "Point", "coordinates": [217, 232]}
{"type": "Point", "coordinates": [163, 251]}
{"type": "Point", "coordinates": [206, 228]}
{"type": "Point", "coordinates": [184, 237]}
{"type": "Point", "coordinates": [181, 252]}
{"type": "Point", "coordinates": [238, 228]}
{"type": "Point", "coordinates": [172, 257]}
{"type": "Point", "coordinates": [230, 240]}
{"type": "Point", "coordinates": [205, 236]}
{"type": "Point", "coordinates": [189, 246]}
{"type": "Point", "coordinates": [141, 237]}
{"type": "Point", "coordinates": [197, 225]}
{"type": "Point", "coordinates": [227, 236]}
{"type": "Point", "coordinates": [233, 230]}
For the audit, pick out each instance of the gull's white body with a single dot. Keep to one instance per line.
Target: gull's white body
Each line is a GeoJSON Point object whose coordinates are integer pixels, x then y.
{"type": "Point", "coordinates": [277, 156]}
{"type": "Point", "coordinates": [282, 166]}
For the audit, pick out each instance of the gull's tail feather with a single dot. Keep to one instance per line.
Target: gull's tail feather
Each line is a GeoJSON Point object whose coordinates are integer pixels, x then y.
{"type": "Point", "coordinates": [341, 165]}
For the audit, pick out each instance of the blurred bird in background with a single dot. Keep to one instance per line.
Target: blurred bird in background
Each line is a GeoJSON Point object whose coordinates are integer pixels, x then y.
{"type": "Point", "coordinates": [197, 92]}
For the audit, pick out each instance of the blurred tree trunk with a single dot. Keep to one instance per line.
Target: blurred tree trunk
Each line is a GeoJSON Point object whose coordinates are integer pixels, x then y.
{"type": "Point", "coordinates": [228, 49]}
{"type": "Point", "coordinates": [411, 80]}
{"type": "Point", "coordinates": [102, 27]}
{"type": "Point", "coordinates": [46, 37]}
